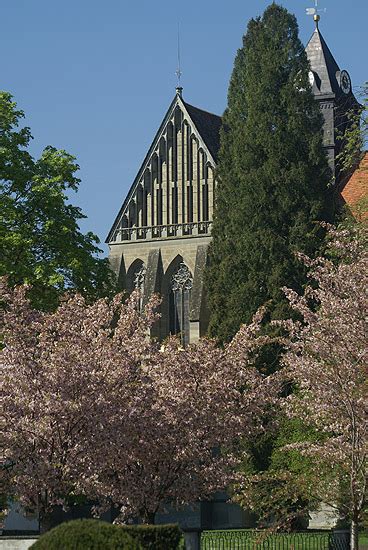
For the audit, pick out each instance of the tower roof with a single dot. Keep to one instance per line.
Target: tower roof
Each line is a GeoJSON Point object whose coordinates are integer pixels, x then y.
{"type": "Point", "coordinates": [323, 65]}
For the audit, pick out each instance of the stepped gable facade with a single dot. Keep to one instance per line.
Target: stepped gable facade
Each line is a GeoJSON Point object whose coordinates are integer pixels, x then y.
{"type": "Point", "coordinates": [159, 239]}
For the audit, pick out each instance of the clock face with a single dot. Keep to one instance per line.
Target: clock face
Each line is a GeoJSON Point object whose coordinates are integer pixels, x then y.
{"type": "Point", "coordinates": [345, 82]}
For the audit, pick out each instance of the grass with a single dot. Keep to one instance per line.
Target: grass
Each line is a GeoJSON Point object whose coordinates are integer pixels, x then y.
{"type": "Point", "coordinates": [363, 541]}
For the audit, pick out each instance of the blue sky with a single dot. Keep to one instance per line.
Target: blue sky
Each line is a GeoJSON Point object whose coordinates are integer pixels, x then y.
{"type": "Point", "coordinates": [96, 77]}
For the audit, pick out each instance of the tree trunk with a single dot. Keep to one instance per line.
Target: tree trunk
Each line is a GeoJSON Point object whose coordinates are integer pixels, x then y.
{"type": "Point", "coordinates": [149, 518]}
{"type": "Point", "coordinates": [354, 544]}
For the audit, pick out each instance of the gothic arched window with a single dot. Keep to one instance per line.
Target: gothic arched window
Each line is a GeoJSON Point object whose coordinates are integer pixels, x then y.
{"type": "Point", "coordinates": [136, 279]}
{"type": "Point", "coordinates": [179, 299]}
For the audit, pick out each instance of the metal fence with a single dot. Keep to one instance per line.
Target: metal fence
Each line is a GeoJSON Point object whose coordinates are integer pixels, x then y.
{"type": "Point", "coordinates": [256, 540]}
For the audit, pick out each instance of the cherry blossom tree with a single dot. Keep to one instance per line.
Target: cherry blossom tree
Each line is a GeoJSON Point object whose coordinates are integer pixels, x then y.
{"type": "Point", "coordinates": [327, 360]}
{"type": "Point", "coordinates": [207, 399]}
{"type": "Point", "coordinates": [59, 372]}
{"type": "Point", "coordinates": [203, 400]}
{"type": "Point", "coordinates": [94, 407]}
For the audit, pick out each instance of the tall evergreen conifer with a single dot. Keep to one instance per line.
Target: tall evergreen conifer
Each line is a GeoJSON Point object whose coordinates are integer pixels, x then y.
{"type": "Point", "coordinates": [273, 177]}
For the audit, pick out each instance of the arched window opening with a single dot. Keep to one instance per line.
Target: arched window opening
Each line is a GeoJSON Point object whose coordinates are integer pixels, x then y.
{"type": "Point", "coordinates": [174, 323]}
{"type": "Point", "coordinates": [205, 201]}
{"type": "Point", "coordinates": [146, 199]}
{"type": "Point", "coordinates": [179, 300]}
{"type": "Point", "coordinates": [121, 234]}
{"type": "Point", "coordinates": [162, 151]}
{"type": "Point", "coordinates": [189, 203]}
{"type": "Point", "coordinates": [139, 212]}
{"type": "Point", "coordinates": [139, 278]}
{"type": "Point", "coordinates": [178, 118]}
{"type": "Point", "coordinates": [159, 217]}
{"type": "Point", "coordinates": [136, 280]}
{"type": "Point", "coordinates": [132, 214]}
{"type": "Point", "coordinates": [169, 134]}
{"type": "Point", "coordinates": [174, 207]}
{"type": "Point", "coordinates": [204, 165]}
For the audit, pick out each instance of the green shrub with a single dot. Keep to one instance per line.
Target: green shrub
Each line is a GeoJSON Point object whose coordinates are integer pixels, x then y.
{"type": "Point", "coordinates": [86, 534]}
{"type": "Point", "coordinates": [155, 537]}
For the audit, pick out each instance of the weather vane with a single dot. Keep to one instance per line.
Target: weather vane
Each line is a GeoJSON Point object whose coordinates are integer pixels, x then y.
{"type": "Point", "coordinates": [315, 12]}
{"type": "Point", "coordinates": [178, 72]}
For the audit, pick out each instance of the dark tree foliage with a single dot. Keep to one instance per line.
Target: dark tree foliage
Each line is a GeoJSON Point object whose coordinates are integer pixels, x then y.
{"type": "Point", "coordinates": [159, 537]}
{"type": "Point", "coordinates": [273, 177]}
{"type": "Point", "coordinates": [278, 484]}
{"type": "Point", "coordinates": [40, 240]}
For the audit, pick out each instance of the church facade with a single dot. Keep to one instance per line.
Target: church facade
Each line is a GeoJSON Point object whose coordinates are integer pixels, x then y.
{"type": "Point", "coordinates": [159, 239]}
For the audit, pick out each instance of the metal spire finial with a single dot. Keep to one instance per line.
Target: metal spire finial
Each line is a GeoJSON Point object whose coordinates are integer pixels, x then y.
{"type": "Point", "coordinates": [178, 72]}
{"type": "Point", "coordinates": [315, 12]}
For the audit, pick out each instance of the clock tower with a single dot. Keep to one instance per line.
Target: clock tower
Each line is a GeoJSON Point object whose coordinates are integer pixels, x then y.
{"type": "Point", "coordinates": [332, 89]}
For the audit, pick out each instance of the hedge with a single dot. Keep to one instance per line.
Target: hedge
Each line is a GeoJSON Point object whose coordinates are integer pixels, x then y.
{"type": "Point", "coordinates": [159, 537]}
{"type": "Point", "coordinates": [86, 534]}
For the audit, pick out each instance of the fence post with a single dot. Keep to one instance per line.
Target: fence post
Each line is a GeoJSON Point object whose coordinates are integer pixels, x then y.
{"type": "Point", "coordinates": [192, 539]}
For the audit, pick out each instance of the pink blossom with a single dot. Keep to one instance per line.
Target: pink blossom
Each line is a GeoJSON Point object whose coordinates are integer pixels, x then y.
{"type": "Point", "coordinates": [93, 406]}
{"type": "Point", "coordinates": [327, 359]}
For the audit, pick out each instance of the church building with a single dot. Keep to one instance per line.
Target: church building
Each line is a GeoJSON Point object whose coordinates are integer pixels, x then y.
{"type": "Point", "coordinates": [159, 239]}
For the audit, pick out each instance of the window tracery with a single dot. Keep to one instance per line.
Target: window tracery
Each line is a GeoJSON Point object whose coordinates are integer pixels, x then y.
{"type": "Point", "coordinates": [179, 300]}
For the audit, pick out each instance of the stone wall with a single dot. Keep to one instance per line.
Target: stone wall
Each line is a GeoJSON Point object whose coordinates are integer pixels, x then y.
{"type": "Point", "coordinates": [16, 543]}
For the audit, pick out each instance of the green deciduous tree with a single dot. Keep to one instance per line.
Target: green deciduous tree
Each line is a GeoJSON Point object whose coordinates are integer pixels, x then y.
{"type": "Point", "coordinates": [354, 141]}
{"type": "Point", "coordinates": [40, 240]}
{"type": "Point", "coordinates": [327, 360]}
{"type": "Point", "coordinates": [354, 138]}
{"type": "Point", "coordinates": [273, 177]}
{"type": "Point", "coordinates": [319, 453]}
{"type": "Point", "coordinates": [278, 484]}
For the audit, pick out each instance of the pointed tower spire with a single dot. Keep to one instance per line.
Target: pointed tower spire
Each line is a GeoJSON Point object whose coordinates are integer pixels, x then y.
{"type": "Point", "coordinates": [332, 89]}
{"type": "Point", "coordinates": [323, 65]}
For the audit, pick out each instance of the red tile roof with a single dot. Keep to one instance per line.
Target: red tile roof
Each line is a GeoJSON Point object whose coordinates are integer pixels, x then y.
{"type": "Point", "coordinates": [356, 189]}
